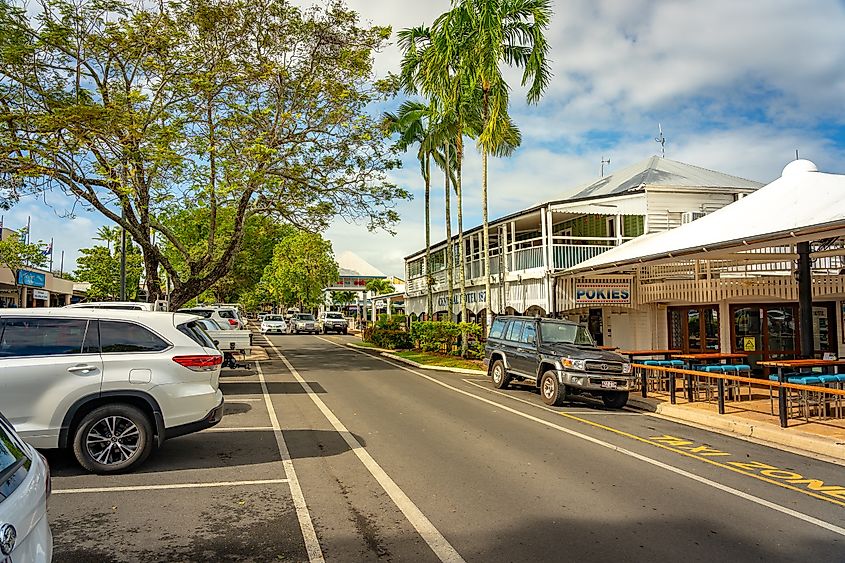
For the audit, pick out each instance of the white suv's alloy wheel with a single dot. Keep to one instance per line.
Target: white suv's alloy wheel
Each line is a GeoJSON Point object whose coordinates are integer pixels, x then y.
{"type": "Point", "coordinates": [113, 440]}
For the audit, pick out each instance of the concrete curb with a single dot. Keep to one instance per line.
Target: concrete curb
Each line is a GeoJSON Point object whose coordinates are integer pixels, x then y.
{"type": "Point", "coordinates": [762, 432]}
{"type": "Point", "coordinates": [435, 368]}
{"type": "Point", "coordinates": [370, 348]}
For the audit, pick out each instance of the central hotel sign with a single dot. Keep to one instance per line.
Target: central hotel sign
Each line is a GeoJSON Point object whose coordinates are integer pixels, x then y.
{"type": "Point", "coordinates": [591, 293]}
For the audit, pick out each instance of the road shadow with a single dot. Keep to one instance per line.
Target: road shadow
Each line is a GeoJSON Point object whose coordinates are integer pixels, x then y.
{"type": "Point", "coordinates": [234, 407]}
{"type": "Point", "coordinates": [218, 449]}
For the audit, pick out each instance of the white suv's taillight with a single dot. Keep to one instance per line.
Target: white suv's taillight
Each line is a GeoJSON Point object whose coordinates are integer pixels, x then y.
{"type": "Point", "coordinates": [233, 322]}
{"type": "Point", "coordinates": [199, 362]}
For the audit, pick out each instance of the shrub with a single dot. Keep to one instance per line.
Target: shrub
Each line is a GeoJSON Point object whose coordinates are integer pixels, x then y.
{"type": "Point", "coordinates": [442, 336]}
{"type": "Point", "coordinates": [391, 339]}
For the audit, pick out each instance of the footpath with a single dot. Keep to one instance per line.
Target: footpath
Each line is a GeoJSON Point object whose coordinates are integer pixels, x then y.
{"type": "Point", "coordinates": [750, 420]}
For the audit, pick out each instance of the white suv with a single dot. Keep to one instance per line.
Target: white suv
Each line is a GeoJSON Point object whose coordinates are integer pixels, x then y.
{"type": "Point", "coordinates": [24, 532]}
{"type": "Point", "coordinates": [111, 385]}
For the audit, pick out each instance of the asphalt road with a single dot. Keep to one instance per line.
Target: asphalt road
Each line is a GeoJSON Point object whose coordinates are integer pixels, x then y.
{"type": "Point", "coordinates": [374, 461]}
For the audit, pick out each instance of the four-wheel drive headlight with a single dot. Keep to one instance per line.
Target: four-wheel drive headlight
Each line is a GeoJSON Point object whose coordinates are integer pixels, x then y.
{"type": "Point", "coordinates": [627, 368]}
{"type": "Point", "coordinates": [569, 363]}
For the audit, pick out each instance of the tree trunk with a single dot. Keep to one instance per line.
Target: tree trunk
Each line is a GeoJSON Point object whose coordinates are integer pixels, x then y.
{"type": "Point", "coordinates": [429, 305]}
{"type": "Point", "coordinates": [462, 252]}
{"type": "Point", "coordinates": [449, 268]}
{"type": "Point", "coordinates": [153, 281]}
{"type": "Point", "coordinates": [486, 249]}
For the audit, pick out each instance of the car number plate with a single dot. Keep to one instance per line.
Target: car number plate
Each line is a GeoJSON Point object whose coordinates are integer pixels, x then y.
{"type": "Point", "coordinates": [608, 384]}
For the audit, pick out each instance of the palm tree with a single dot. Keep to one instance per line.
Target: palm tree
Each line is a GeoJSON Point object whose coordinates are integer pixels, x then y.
{"type": "Point", "coordinates": [485, 34]}
{"type": "Point", "coordinates": [412, 123]}
{"type": "Point", "coordinates": [380, 286]}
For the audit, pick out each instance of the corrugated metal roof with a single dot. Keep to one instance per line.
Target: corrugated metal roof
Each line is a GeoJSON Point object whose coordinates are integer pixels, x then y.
{"type": "Point", "coordinates": [657, 171]}
{"type": "Point", "coordinates": [801, 201]}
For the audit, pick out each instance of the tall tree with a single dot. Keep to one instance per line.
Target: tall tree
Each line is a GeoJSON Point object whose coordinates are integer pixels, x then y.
{"type": "Point", "coordinates": [17, 254]}
{"type": "Point", "coordinates": [244, 107]}
{"type": "Point", "coordinates": [485, 35]}
{"type": "Point", "coordinates": [303, 265]}
{"type": "Point", "coordinates": [100, 266]}
{"type": "Point", "coordinates": [380, 286]}
{"type": "Point", "coordinates": [413, 125]}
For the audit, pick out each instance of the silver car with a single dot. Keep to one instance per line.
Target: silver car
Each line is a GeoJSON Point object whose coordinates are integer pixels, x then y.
{"type": "Point", "coordinates": [24, 488]}
{"type": "Point", "coordinates": [304, 322]}
{"type": "Point", "coordinates": [110, 385]}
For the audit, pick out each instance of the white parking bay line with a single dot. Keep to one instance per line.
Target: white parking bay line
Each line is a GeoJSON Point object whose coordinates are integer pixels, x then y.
{"type": "Point", "coordinates": [239, 429]}
{"type": "Point", "coordinates": [309, 536]}
{"type": "Point", "coordinates": [431, 535]}
{"type": "Point", "coordinates": [167, 487]}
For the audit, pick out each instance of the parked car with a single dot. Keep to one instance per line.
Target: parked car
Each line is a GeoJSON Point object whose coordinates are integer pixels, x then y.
{"type": "Point", "coordinates": [110, 385]}
{"type": "Point", "coordinates": [558, 357]}
{"type": "Point", "coordinates": [226, 317]}
{"type": "Point", "coordinates": [121, 305]}
{"type": "Point", "coordinates": [332, 321]}
{"type": "Point", "coordinates": [24, 489]}
{"type": "Point", "coordinates": [303, 322]}
{"type": "Point", "coordinates": [274, 323]}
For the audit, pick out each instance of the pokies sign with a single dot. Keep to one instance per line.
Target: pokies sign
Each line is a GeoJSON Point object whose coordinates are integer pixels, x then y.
{"type": "Point", "coordinates": [591, 293]}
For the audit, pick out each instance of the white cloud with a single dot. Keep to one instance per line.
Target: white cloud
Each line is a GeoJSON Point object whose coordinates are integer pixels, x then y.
{"type": "Point", "coordinates": [738, 86]}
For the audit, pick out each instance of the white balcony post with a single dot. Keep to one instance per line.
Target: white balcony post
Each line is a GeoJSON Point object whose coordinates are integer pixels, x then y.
{"type": "Point", "coordinates": [618, 230]}
{"type": "Point", "coordinates": [544, 235]}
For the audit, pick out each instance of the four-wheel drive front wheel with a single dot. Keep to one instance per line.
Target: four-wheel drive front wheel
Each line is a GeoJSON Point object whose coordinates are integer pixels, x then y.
{"type": "Point", "coordinates": [499, 374]}
{"type": "Point", "coordinates": [112, 439]}
{"type": "Point", "coordinates": [552, 391]}
{"type": "Point", "coordinates": [615, 399]}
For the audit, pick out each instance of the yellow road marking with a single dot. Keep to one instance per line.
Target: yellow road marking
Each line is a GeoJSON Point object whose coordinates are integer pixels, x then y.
{"type": "Point", "coordinates": [662, 446]}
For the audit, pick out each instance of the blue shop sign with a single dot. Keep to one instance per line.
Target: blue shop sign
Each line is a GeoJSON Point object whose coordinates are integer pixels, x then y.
{"type": "Point", "coordinates": [34, 279]}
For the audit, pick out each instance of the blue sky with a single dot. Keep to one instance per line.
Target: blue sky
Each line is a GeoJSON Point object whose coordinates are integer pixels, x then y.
{"type": "Point", "coordinates": [737, 87]}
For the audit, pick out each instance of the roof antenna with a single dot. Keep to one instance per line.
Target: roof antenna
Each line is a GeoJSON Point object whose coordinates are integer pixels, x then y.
{"type": "Point", "coordinates": [662, 140]}
{"type": "Point", "coordinates": [796, 154]}
{"type": "Point", "coordinates": [603, 162]}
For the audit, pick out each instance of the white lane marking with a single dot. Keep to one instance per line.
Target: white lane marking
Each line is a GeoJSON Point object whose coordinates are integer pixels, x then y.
{"type": "Point", "coordinates": [431, 535]}
{"type": "Point", "coordinates": [703, 480]}
{"type": "Point", "coordinates": [168, 487]}
{"type": "Point", "coordinates": [241, 429]}
{"type": "Point", "coordinates": [312, 545]}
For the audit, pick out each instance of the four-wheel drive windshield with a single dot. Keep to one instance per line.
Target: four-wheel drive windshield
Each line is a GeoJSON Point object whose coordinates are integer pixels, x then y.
{"type": "Point", "coordinates": [304, 317]}
{"type": "Point", "coordinates": [334, 316]}
{"type": "Point", "coordinates": [565, 334]}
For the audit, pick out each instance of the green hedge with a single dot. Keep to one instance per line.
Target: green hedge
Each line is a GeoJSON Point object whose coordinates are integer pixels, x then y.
{"type": "Point", "coordinates": [442, 336]}
{"type": "Point", "coordinates": [389, 332]}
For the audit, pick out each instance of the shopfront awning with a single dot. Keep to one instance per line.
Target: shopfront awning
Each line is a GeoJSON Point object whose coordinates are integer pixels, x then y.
{"type": "Point", "coordinates": [802, 205]}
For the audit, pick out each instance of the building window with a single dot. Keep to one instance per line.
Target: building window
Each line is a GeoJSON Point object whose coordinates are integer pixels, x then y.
{"type": "Point", "coordinates": [415, 268]}
{"type": "Point", "coordinates": [694, 330]}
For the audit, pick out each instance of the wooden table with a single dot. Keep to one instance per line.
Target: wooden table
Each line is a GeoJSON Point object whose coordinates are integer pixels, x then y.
{"type": "Point", "coordinates": [717, 356]}
{"type": "Point", "coordinates": [648, 353]}
{"type": "Point", "coordinates": [780, 365]}
{"type": "Point", "coordinates": [608, 348]}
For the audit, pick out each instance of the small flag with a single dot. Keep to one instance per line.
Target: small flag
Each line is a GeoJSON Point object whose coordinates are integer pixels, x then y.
{"type": "Point", "coordinates": [49, 250]}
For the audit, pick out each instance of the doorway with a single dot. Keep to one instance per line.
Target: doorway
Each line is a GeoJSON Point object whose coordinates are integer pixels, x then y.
{"type": "Point", "coordinates": [694, 329]}
{"type": "Point", "coordinates": [771, 331]}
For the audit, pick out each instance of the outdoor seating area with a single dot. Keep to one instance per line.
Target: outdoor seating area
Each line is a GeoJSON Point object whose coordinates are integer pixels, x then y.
{"type": "Point", "coordinates": [808, 397]}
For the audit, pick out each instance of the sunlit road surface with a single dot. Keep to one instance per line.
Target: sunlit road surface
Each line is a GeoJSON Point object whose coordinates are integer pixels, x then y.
{"type": "Point", "coordinates": [326, 453]}
{"type": "Point", "coordinates": [424, 465]}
